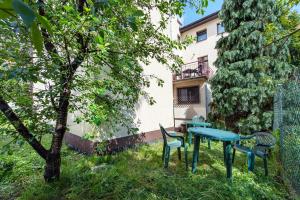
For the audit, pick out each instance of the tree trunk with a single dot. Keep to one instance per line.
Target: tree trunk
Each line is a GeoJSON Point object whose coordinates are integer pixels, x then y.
{"type": "Point", "coordinates": [52, 168]}
{"type": "Point", "coordinates": [13, 118]}
{"type": "Point", "coordinates": [53, 161]}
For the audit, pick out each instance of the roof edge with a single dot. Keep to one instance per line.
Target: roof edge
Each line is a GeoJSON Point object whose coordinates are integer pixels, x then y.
{"type": "Point", "coordinates": [199, 22]}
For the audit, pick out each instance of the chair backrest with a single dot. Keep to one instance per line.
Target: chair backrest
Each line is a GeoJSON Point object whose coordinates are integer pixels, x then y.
{"type": "Point", "coordinates": [164, 133]}
{"type": "Point", "coordinates": [197, 118]}
{"type": "Point", "coordinates": [265, 139]}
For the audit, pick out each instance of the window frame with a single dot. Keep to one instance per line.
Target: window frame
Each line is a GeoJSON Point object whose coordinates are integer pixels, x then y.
{"type": "Point", "coordinates": [189, 101]}
{"type": "Point", "coordinates": [221, 24]}
{"type": "Point", "coordinates": [198, 33]}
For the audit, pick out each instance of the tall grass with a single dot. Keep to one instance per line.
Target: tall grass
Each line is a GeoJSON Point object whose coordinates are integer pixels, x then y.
{"type": "Point", "coordinates": [137, 174]}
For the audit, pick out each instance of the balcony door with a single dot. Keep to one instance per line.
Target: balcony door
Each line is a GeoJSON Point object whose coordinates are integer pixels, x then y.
{"type": "Point", "coordinates": [202, 65]}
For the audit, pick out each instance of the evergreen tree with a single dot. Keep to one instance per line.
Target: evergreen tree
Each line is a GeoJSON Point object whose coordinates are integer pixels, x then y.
{"type": "Point", "coordinates": [249, 65]}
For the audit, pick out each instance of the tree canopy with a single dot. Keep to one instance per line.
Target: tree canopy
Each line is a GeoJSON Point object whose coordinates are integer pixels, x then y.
{"type": "Point", "coordinates": [250, 64]}
{"type": "Point", "coordinates": [81, 56]}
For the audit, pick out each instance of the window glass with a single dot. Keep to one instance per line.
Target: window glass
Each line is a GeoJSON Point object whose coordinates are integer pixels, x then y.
{"type": "Point", "coordinates": [188, 95]}
{"type": "Point", "coordinates": [202, 35]}
{"type": "Point", "coordinates": [220, 28]}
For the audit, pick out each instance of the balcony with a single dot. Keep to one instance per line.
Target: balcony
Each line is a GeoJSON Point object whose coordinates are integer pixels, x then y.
{"type": "Point", "coordinates": [193, 70]}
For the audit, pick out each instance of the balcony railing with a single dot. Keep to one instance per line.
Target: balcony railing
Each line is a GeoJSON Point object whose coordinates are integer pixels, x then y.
{"type": "Point", "coordinates": [193, 70]}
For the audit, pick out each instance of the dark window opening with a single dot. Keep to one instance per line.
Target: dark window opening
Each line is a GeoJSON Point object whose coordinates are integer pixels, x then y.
{"type": "Point", "coordinates": [220, 28]}
{"type": "Point", "coordinates": [188, 95]}
{"type": "Point", "coordinates": [202, 35]}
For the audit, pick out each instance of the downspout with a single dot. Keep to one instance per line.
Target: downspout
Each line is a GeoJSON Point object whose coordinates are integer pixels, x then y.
{"type": "Point", "coordinates": [206, 101]}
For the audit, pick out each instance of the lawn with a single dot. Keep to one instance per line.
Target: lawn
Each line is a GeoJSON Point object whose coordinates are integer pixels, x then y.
{"type": "Point", "coordinates": [136, 174]}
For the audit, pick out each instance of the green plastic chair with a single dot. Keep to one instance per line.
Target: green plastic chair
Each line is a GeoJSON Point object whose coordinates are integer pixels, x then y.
{"type": "Point", "coordinates": [263, 143]}
{"type": "Point", "coordinates": [197, 118]}
{"type": "Point", "coordinates": [175, 144]}
{"type": "Point", "coordinates": [200, 118]}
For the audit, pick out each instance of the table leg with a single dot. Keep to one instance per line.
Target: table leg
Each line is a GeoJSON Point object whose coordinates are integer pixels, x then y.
{"type": "Point", "coordinates": [224, 152]}
{"type": "Point", "coordinates": [189, 135]}
{"type": "Point", "coordinates": [196, 152]}
{"type": "Point", "coordinates": [190, 138]}
{"type": "Point", "coordinates": [228, 158]}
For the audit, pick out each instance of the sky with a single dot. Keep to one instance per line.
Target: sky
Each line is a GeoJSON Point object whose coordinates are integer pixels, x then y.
{"type": "Point", "coordinates": [190, 14]}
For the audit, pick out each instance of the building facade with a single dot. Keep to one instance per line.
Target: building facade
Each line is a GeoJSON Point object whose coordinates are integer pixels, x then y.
{"type": "Point", "coordinates": [183, 95]}
{"type": "Point", "coordinates": [191, 90]}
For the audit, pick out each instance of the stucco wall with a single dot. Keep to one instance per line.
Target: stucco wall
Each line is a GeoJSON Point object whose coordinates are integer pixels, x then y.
{"type": "Point", "coordinates": [203, 48]}
{"type": "Point", "coordinates": [187, 111]}
{"type": "Point", "coordinates": [148, 116]}
{"type": "Point", "coordinates": [191, 54]}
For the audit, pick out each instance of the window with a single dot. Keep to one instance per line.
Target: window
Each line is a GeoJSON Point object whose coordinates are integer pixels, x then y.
{"type": "Point", "coordinates": [188, 95]}
{"type": "Point", "coordinates": [202, 64]}
{"type": "Point", "coordinates": [202, 35]}
{"type": "Point", "coordinates": [220, 28]}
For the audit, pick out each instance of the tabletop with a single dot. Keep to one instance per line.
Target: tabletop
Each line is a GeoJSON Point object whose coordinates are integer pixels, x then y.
{"type": "Point", "coordinates": [215, 133]}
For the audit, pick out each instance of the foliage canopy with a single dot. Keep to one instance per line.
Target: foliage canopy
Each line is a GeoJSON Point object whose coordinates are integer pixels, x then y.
{"type": "Point", "coordinates": [250, 64]}
{"type": "Point", "coordinates": [83, 57]}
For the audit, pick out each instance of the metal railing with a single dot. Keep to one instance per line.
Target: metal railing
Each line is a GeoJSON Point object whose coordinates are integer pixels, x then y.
{"type": "Point", "coordinates": [192, 70]}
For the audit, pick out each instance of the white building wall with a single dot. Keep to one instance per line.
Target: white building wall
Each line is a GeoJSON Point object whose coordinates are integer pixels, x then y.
{"type": "Point", "coordinates": [148, 116]}
{"type": "Point", "coordinates": [203, 48]}
{"type": "Point", "coordinates": [191, 54]}
{"type": "Point", "coordinates": [187, 111]}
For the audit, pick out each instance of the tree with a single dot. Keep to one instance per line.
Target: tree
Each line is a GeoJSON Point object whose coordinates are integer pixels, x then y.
{"type": "Point", "coordinates": [250, 65]}
{"type": "Point", "coordinates": [290, 21]}
{"type": "Point", "coordinates": [84, 56]}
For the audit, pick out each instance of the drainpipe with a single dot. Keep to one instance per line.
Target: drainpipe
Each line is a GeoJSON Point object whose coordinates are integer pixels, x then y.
{"type": "Point", "coordinates": [206, 101]}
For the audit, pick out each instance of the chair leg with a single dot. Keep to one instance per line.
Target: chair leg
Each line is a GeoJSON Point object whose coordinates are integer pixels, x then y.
{"type": "Point", "coordinates": [179, 153]}
{"type": "Point", "coordinates": [186, 157]}
{"type": "Point", "coordinates": [167, 157]}
{"type": "Point", "coordinates": [233, 155]}
{"type": "Point", "coordinates": [208, 142]}
{"type": "Point", "coordinates": [164, 151]}
{"type": "Point", "coordinates": [250, 157]}
{"type": "Point", "coordinates": [252, 161]}
{"type": "Point", "coordinates": [266, 166]}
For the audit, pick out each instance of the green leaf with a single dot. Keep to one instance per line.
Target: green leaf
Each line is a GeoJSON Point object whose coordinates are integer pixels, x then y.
{"type": "Point", "coordinates": [138, 13]}
{"type": "Point", "coordinates": [45, 23]}
{"type": "Point", "coordinates": [6, 9]}
{"type": "Point", "coordinates": [6, 4]}
{"type": "Point", "coordinates": [26, 13]}
{"type": "Point", "coordinates": [36, 37]}
{"type": "Point", "coordinates": [68, 8]}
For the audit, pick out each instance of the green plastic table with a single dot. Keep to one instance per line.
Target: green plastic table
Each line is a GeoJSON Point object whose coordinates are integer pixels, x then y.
{"type": "Point", "coordinates": [216, 134]}
{"type": "Point", "coordinates": [196, 124]}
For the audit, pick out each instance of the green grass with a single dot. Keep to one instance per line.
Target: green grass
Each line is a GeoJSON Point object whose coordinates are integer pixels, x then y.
{"type": "Point", "coordinates": [136, 174]}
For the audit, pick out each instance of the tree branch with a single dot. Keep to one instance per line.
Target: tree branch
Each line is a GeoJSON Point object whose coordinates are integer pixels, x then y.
{"type": "Point", "coordinates": [52, 98]}
{"type": "Point", "coordinates": [21, 128]}
{"type": "Point", "coordinates": [284, 37]}
{"type": "Point", "coordinates": [49, 46]}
